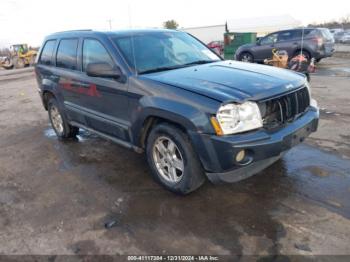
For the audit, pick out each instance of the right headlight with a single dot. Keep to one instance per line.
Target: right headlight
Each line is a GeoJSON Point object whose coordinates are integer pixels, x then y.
{"type": "Point", "coordinates": [236, 118]}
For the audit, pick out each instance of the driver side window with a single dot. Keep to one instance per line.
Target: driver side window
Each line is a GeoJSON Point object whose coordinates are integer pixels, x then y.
{"type": "Point", "coordinates": [94, 52]}
{"type": "Point", "coordinates": [269, 39]}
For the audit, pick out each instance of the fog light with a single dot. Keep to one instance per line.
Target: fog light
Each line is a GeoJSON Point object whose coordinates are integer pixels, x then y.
{"type": "Point", "coordinates": [240, 156]}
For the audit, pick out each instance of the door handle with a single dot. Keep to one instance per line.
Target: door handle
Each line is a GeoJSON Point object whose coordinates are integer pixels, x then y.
{"type": "Point", "coordinates": [80, 84]}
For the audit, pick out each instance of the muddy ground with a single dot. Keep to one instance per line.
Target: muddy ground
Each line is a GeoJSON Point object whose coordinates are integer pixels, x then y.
{"type": "Point", "coordinates": [56, 197]}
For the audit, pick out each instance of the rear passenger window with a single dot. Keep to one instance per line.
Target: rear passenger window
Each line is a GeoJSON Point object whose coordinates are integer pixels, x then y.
{"type": "Point", "coordinates": [94, 52]}
{"type": "Point", "coordinates": [285, 36]}
{"type": "Point", "coordinates": [67, 54]}
{"type": "Point", "coordinates": [46, 54]}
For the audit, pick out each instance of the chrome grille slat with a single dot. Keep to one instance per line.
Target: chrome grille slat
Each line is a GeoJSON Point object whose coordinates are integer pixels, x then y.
{"type": "Point", "coordinates": [283, 109]}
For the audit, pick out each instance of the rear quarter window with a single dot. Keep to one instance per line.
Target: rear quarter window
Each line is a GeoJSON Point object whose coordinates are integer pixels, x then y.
{"type": "Point", "coordinates": [67, 54]}
{"type": "Point", "coordinates": [326, 34]}
{"type": "Point", "coordinates": [312, 33]}
{"type": "Point", "coordinates": [46, 54]}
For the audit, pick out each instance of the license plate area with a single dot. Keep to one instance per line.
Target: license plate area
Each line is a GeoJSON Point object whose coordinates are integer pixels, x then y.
{"type": "Point", "coordinates": [299, 136]}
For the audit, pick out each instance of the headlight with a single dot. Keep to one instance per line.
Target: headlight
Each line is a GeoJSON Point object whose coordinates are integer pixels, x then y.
{"type": "Point", "coordinates": [235, 118]}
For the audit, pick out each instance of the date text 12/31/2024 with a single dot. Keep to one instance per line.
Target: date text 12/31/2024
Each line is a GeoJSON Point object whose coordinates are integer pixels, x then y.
{"type": "Point", "coordinates": [173, 258]}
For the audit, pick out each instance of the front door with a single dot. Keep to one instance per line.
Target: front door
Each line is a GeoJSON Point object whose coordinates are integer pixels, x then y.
{"type": "Point", "coordinates": [264, 49]}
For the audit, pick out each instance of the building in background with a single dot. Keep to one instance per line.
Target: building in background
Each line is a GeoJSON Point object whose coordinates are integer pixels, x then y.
{"type": "Point", "coordinates": [259, 25]}
{"type": "Point", "coordinates": [207, 34]}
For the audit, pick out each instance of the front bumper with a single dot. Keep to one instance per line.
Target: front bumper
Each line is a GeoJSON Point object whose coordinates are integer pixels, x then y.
{"type": "Point", "coordinates": [263, 148]}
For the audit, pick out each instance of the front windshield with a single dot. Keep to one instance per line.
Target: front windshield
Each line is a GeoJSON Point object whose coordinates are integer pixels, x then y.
{"type": "Point", "coordinates": [156, 51]}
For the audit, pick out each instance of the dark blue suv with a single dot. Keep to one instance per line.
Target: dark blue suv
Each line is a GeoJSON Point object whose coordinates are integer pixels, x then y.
{"type": "Point", "coordinates": [165, 93]}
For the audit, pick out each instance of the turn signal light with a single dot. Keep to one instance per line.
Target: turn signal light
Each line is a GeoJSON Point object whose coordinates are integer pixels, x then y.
{"type": "Point", "coordinates": [216, 126]}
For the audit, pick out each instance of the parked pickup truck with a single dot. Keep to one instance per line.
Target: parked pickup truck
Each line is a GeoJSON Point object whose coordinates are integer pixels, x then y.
{"type": "Point", "coordinates": [164, 93]}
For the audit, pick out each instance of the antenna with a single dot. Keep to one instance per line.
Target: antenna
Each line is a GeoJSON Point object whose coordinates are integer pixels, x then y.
{"type": "Point", "coordinates": [302, 44]}
{"type": "Point", "coordinates": [132, 38]}
{"type": "Point", "coordinates": [302, 40]}
{"type": "Point", "coordinates": [110, 24]}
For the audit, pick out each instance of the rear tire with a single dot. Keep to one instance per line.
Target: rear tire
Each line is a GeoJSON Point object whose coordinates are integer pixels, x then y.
{"type": "Point", "coordinates": [188, 173]}
{"type": "Point", "coordinates": [306, 54]}
{"type": "Point", "coordinates": [59, 122]}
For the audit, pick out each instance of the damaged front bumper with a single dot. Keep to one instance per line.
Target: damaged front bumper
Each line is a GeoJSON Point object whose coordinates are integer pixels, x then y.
{"type": "Point", "coordinates": [262, 148]}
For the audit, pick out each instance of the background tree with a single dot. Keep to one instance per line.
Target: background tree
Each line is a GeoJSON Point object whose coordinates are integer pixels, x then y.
{"type": "Point", "coordinates": [343, 22]}
{"type": "Point", "coordinates": [170, 24]}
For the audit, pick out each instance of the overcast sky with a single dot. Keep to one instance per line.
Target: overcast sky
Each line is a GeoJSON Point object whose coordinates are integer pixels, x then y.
{"type": "Point", "coordinates": [28, 21]}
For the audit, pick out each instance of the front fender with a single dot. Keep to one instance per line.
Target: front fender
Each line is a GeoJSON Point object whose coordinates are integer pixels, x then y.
{"type": "Point", "coordinates": [185, 115]}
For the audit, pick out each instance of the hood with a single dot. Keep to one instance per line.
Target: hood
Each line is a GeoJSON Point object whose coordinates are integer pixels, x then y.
{"type": "Point", "coordinates": [231, 80]}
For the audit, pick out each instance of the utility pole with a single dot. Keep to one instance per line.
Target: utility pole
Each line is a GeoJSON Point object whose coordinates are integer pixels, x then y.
{"type": "Point", "coordinates": [110, 24]}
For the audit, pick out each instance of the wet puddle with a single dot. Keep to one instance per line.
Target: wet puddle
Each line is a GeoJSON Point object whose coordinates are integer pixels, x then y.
{"type": "Point", "coordinates": [214, 218]}
{"type": "Point", "coordinates": [337, 71]}
{"type": "Point", "coordinates": [304, 170]}
{"type": "Point", "coordinates": [81, 137]}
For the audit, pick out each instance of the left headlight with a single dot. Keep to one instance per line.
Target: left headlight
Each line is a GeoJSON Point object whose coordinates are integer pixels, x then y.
{"type": "Point", "coordinates": [236, 118]}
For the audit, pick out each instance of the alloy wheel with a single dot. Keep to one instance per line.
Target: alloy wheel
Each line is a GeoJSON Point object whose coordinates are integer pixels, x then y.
{"type": "Point", "coordinates": [168, 159]}
{"type": "Point", "coordinates": [56, 119]}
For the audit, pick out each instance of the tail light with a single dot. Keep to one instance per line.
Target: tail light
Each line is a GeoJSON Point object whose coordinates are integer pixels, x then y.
{"type": "Point", "coordinates": [318, 41]}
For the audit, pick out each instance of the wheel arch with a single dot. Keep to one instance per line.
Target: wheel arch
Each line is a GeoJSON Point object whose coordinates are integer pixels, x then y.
{"type": "Point", "coordinates": [298, 50]}
{"type": "Point", "coordinates": [156, 110]}
{"type": "Point", "coordinates": [47, 95]}
{"type": "Point", "coordinates": [150, 122]}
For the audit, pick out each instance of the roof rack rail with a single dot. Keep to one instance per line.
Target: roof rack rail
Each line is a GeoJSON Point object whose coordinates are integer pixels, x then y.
{"type": "Point", "coordinates": [75, 30]}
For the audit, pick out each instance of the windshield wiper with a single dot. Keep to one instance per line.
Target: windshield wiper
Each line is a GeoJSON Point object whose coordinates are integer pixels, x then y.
{"type": "Point", "coordinates": [159, 69]}
{"type": "Point", "coordinates": [165, 68]}
{"type": "Point", "coordinates": [200, 62]}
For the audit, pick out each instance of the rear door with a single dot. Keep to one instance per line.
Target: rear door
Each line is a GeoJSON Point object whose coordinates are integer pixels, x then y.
{"type": "Point", "coordinates": [67, 77]}
{"type": "Point", "coordinates": [288, 41]}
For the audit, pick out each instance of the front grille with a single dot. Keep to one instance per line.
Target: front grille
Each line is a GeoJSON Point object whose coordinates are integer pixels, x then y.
{"type": "Point", "coordinates": [283, 109]}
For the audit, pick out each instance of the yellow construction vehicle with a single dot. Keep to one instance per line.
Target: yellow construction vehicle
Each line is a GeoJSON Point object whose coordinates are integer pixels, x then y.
{"type": "Point", "coordinates": [20, 57]}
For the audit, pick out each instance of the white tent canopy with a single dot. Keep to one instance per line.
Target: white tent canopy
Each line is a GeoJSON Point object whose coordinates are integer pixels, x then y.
{"type": "Point", "coordinates": [263, 25]}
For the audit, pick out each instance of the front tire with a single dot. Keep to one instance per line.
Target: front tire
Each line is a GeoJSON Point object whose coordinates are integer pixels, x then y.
{"type": "Point", "coordinates": [59, 122]}
{"type": "Point", "coordinates": [246, 57]}
{"type": "Point", "coordinates": [172, 160]}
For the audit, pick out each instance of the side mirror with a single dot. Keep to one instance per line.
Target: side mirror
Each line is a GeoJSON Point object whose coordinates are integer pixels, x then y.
{"type": "Point", "coordinates": [258, 42]}
{"type": "Point", "coordinates": [103, 70]}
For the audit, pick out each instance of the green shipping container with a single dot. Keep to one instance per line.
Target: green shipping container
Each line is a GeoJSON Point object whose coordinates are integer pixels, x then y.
{"type": "Point", "coordinates": [232, 41]}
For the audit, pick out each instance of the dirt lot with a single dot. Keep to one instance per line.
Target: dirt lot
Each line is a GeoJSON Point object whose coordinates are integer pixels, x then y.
{"type": "Point", "coordinates": [55, 197]}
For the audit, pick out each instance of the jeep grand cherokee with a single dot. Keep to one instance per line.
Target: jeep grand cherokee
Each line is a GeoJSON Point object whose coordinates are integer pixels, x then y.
{"type": "Point", "coordinates": [165, 93]}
